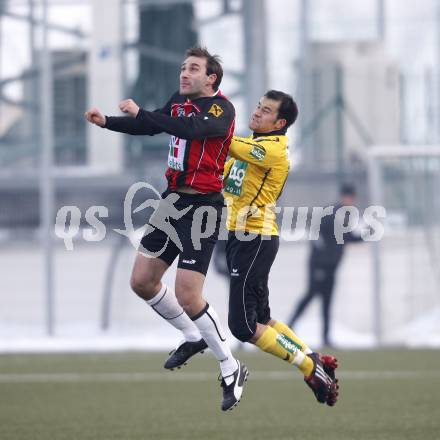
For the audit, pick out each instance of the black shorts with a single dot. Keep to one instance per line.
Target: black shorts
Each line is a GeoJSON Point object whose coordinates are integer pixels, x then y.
{"type": "Point", "coordinates": [249, 264]}
{"type": "Point", "coordinates": [171, 233]}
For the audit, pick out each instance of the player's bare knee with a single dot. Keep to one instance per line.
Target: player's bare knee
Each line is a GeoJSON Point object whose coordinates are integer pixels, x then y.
{"type": "Point", "coordinates": [188, 308]}
{"type": "Point", "coordinates": [136, 285]}
{"type": "Point", "coordinates": [189, 302]}
{"type": "Point", "coordinates": [144, 287]}
{"type": "Point", "coordinates": [189, 296]}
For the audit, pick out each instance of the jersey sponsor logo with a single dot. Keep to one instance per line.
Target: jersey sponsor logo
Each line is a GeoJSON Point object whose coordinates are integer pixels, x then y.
{"type": "Point", "coordinates": [216, 110]}
{"type": "Point", "coordinates": [234, 182]}
{"type": "Point", "coordinates": [180, 111]}
{"type": "Point", "coordinates": [177, 146]}
{"type": "Point", "coordinates": [189, 261]}
{"type": "Point", "coordinates": [292, 342]}
{"type": "Point", "coordinates": [258, 152]}
{"type": "Point", "coordinates": [176, 154]}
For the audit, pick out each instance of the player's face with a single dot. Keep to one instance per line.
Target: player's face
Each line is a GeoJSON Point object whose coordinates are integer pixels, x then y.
{"type": "Point", "coordinates": [194, 82]}
{"type": "Point", "coordinates": [264, 119]}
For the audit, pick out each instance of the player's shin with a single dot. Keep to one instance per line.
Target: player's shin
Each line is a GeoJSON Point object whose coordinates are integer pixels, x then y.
{"type": "Point", "coordinates": [283, 347]}
{"type": "Point", "coordinates": [165, 304]}
{"type": "Point", "coordinates": [212, 332]}
{"type": "Point", "coordinates": [283, 329]}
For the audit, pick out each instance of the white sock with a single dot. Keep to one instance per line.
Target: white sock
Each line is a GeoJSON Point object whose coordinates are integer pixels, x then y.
{"type": "Point", "coordinates": [165, 304]}
{"type": "Point", "coordinates": [212, 332]}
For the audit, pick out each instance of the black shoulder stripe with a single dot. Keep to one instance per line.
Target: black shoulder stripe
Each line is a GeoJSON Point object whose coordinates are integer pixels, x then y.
{"type": "Point", "coordinates": [263, 139]}
{"type": "Point", "coordinates": [244, 142]}
{"type": "Point", "coordinates": [261, 186]}
{"type": "Point", "coordinates": [282, 188]}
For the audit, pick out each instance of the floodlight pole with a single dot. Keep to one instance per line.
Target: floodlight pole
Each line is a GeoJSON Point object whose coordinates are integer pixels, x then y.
{"type": "Point", "coordinates": [437, 73]}
{"type": "Point", "coordinates": [381, 20]}
{"type": "Point", "coordinates": [46, 178]}
{"type": "Point", "coordinates": [35, 128]}
{"type": "Point", "coordinates": [301, 86]}
{"type": "Point", "coordinates": [255, 41]}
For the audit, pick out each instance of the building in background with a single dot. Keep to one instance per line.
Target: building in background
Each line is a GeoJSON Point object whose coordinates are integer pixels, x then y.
{"type": "Point", "coordinates": [70, 95]}
{"type": "Point", "coordinates": [165, 33]}
{"type": "Point", "coordinates": [355, 96]}
{"type": "Point", "coordinates": [350, 87]}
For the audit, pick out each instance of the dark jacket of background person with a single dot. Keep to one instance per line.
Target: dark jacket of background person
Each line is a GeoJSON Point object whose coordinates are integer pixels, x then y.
{"type": "Point", "coordinates": [326, 251]}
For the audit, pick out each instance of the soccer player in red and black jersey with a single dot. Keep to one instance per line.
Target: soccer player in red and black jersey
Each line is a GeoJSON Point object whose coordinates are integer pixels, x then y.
{"type": "Point", "coordinates": [200, 121]}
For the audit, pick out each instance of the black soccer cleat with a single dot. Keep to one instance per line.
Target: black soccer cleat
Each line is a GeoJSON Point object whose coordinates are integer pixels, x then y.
{"type": "Point", "coordinates": [232, 393]}
{"type": "Point", "coordinates": [183, 352]}
{"type": "Point", "coordinates": [324, 387]}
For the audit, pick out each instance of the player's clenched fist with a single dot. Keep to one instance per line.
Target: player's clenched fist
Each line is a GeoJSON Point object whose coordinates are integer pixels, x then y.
{"type": "Point", "coordinates": [95, 117]}
{"type": "Point", "coordinates": [129, 106]}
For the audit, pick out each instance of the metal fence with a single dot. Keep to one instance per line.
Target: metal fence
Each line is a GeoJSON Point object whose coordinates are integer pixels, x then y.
{"type": "Point", "coordinates": [395, 289]}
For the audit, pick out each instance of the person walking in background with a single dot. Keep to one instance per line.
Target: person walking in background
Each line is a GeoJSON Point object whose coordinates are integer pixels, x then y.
{"type": "Point", "coordinates": [325, 257]}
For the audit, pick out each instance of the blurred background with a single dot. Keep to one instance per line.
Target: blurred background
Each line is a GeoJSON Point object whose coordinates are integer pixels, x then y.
{"type": "Point", "coordinates": [366, 75]}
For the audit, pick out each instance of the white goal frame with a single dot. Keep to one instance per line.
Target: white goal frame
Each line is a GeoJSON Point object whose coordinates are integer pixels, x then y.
{"type": "Point", "coordinates": [375, 155]}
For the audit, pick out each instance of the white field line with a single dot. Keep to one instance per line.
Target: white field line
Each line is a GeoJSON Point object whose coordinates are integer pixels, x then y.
{"type": "Point", "coordinates": [201, 376]}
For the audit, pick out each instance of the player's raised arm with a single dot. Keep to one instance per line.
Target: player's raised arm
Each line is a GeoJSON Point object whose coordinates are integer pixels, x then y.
{"type": "Point", "coordinates": [214, 122]}
{"type": "Point", "coordinates": [131, 124]}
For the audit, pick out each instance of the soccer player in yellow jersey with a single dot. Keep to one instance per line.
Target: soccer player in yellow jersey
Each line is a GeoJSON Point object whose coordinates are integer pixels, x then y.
{"type": "Point", "coordinates": [253, 181]}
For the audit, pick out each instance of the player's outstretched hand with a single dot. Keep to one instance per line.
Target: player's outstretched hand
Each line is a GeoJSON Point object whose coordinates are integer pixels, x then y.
{"type": "Point", "coordinates": [129, 106]}
{"type": "Point", "coordinates": [94, 116]}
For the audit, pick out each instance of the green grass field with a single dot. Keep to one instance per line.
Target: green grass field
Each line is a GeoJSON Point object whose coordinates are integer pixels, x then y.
{"type": "Point", "coordinates": [389, 395]}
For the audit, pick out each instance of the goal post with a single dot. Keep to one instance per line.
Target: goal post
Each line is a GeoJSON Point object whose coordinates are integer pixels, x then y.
{"type": "Point", "coordinates": [405, 179]}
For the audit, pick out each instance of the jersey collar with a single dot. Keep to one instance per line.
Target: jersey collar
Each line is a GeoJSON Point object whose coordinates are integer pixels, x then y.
{"type": "Point", "coordinates": [281, 132]}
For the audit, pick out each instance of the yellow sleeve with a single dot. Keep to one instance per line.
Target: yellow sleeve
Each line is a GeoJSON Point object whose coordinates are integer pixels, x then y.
{"type": "Point", "coordinates": [227, 167]}
{"type": "Point", "coordinates": [261, 152]}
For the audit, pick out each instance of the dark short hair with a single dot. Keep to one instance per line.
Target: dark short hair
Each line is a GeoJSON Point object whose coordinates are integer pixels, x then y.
{"type": "Point", "coordinates": [347, 189]}
{"type": "Point", "coordinates": [288, 109]}
{"type": "Point", "coordinates": [212, 63]}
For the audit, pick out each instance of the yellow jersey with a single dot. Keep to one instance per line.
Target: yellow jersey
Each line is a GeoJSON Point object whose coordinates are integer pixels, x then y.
{"type": "Point", "coordinates": [254, 178]}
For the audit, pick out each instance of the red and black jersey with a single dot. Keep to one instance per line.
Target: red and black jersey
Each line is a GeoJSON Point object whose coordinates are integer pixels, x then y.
{"type": "Point", "coordinates": [201, 130]}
